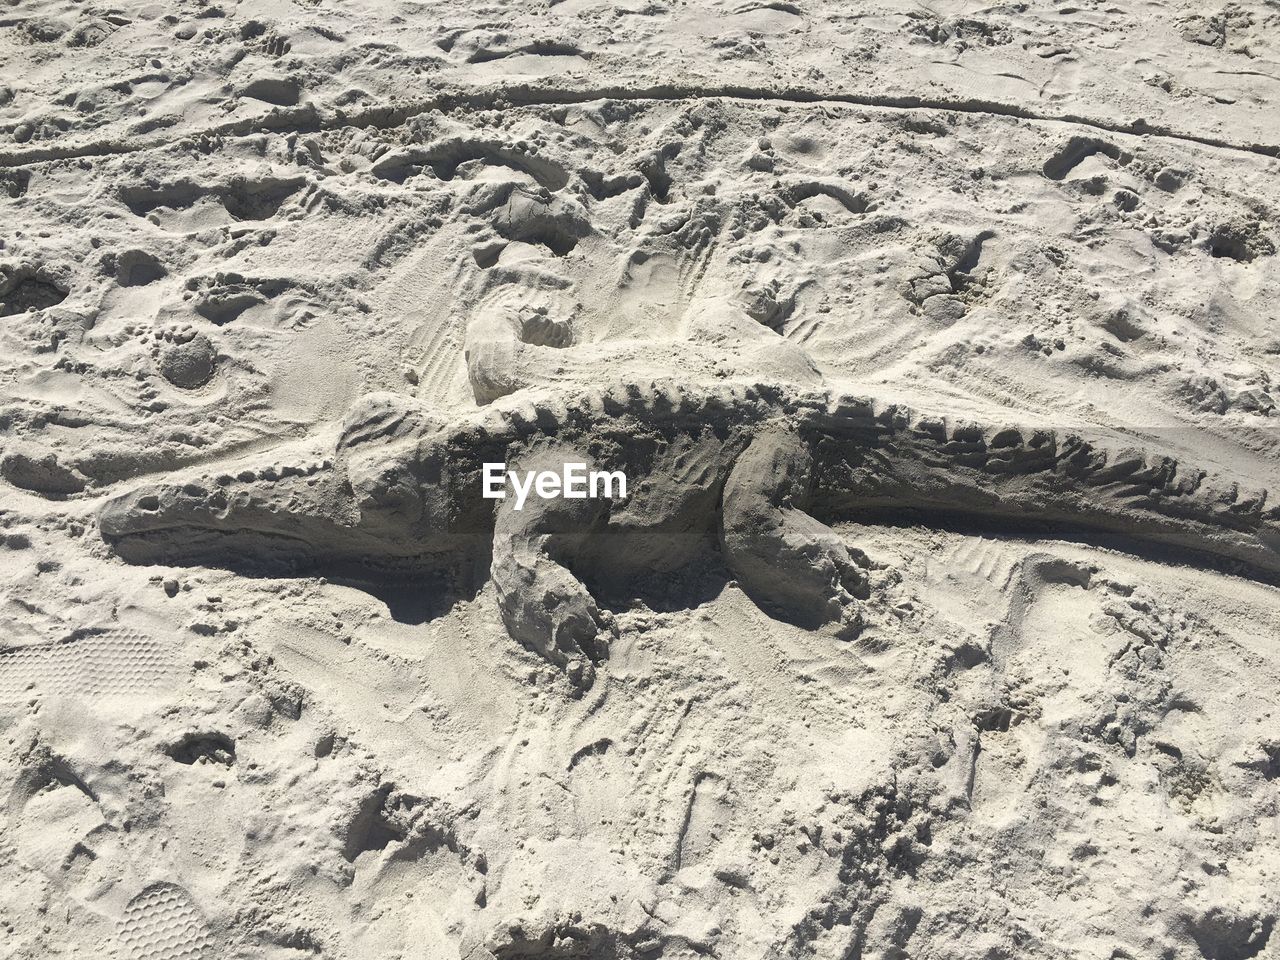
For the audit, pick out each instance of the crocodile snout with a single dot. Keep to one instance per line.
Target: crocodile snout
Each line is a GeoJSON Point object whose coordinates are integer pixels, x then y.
{"type": "Point", "coordinates": [139, 511]}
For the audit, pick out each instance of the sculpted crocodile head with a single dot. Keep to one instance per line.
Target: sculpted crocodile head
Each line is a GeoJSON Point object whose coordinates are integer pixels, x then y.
{"type": "Point", "coordinates": [368, 498]}
{"type": "Point", "coordinates": [272, 517]}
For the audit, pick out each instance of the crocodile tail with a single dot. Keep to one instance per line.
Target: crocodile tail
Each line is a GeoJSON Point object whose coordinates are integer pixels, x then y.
{"type": "Point", "coordinates": [1034, 481]}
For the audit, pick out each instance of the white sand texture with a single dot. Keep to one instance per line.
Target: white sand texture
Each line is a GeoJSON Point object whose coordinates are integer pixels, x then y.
{"type": "Point", "coordinates": [939, 347]}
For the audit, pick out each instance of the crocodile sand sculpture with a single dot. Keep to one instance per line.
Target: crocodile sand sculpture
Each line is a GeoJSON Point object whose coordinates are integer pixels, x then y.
{"type": "Point", "coordinates": [755, 472]}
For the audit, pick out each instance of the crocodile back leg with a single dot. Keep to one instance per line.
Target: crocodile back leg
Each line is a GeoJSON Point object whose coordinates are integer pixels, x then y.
{"type": "Point", "coordinates": [784, 559]}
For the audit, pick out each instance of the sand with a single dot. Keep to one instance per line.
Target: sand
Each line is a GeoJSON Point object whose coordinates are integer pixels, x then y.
{"type": "Point", "coordinates": [938, 343]}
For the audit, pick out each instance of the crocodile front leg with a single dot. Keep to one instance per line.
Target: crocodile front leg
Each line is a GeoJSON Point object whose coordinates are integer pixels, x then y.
{"type": "Point", "coordinates": [515, 340]}
{"type": "Point", "coordinates": [543, 604]}
{"type": "Point", "coordinates": [782, 557]}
